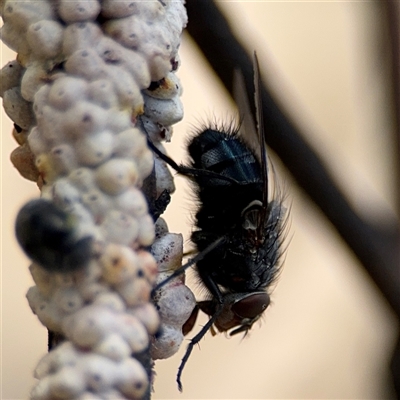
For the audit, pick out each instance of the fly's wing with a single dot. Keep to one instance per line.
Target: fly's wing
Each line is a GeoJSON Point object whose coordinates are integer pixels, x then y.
{"type": "Point", "coordinates": [253, 136]}
{"type": "Point", "coordinates": [260, 126]}
{"type": "Point", "coordinates": [247, 129]}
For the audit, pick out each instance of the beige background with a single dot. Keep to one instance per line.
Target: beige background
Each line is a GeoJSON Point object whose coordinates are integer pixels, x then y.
{"type": "Point", "coordinates": [328, 333]}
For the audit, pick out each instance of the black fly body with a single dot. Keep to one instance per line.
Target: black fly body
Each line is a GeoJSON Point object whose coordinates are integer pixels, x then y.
{"type": "Point", "coordinates": [239, 231]}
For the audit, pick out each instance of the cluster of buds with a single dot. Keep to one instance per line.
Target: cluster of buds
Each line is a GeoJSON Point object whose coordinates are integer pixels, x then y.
{"type": "Point", "coordinates": [91, 79]}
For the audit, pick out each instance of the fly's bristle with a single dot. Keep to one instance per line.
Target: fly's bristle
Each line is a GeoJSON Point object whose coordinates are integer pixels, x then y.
{"type": "Point", "coordinates": [228, 126]}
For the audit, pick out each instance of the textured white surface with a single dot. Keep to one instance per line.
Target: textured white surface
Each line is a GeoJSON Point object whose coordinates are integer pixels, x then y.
{"type": "Point", "coordinates": [76, 92]}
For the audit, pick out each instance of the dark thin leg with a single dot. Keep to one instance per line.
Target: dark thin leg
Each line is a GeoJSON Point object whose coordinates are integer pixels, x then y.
{"type": "Point", "coordinates": [194, 341]}
{"type": "Point", "coordinates": [191, 262]}
{"type": "Point", "coordinates": [212, 286]}
{"type": "Point", "coordinates": [189, 172]}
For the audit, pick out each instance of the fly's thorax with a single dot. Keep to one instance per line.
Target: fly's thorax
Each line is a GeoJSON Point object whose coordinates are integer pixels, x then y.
{"type": "Point", "coordinates": [221, 206]}
{"type": "Point", "coordinates": [225, 154]}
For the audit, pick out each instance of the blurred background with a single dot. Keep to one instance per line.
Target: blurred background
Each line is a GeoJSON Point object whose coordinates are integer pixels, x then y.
{"type": "Point", "coordinates": [328, 333]}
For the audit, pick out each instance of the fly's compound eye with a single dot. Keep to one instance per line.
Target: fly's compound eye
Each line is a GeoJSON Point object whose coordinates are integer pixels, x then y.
{"type": "Point", "coordinates": [251, 306]}
{"type": "Point", "coordinates": [240, 311]}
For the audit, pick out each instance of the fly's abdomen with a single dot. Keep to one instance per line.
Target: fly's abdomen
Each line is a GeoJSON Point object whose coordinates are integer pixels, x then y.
{"type": "Point", "coordinates": [224, 154]}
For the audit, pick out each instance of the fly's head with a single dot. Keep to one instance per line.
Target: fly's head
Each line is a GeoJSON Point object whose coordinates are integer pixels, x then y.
{"type": "Point", "coordinates": [240, 311]}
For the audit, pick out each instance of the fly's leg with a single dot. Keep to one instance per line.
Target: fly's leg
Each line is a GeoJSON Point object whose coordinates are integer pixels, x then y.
{"type": "Point", "coordinates": [212, 286]}
{"type": "Point", "coordinates": [191, 262]}
{"type": "Point", "coordinates": [187, 171]}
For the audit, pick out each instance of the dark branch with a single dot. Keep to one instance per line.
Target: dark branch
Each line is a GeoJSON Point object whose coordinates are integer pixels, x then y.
{"type": "Point", "coordinates": [393, 18]}
{"type": "Point", "coordinates": [392, 9]}
{"type": "Point", "coordinates": [375, 247]}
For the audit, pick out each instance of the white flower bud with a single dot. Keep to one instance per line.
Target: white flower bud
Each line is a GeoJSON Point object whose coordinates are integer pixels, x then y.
{"type": "Point", "coordinates": [91, 291]}
{"type": "Point", "coordinates": [146, 230]}
{"type": "Point", "coordinates": [17, 108]}
{"type": "Point", "coordinates": [118, 121]}
{"type": "Point", "coordinates": [101, 93]}
{"type": "Point", "coordinates": [66, 91]}
{"type": "Point", "coordinates": [98, 203]}
{"type": "Point", "coordinates": [80, 36]}
{"type": "Point", "coordinates": [78, 10]}
{"type": "Point", "coordinates": [110, 300]}
{"type": "Point", "coordinates": [87, 64]}
{"type": "Point", "coordinates": [41, 391]}
{"type": "Point", "coordinates": [165, 112]}
{"type": "Point", "coordinates": [83, 179]}
{"type": "Point", "coordinates": [121, 228]}
{"type": "Point", "coordinates": [99, 372]}
{"type": "Point", "coordinates": [34, 78]}
{"type": "Point", "coordinates": [88, 326]}
{"type": "Point", "coordinates": [52, 125]}
{"type": "Point", "coordinates": [164, 180]}
{"type": "Point", "coordinates": [145, 164]}
{"type": "Point", "coordinates": [113, 53]}
{"type": "Point", "coordinates": [167, 250]}
{"type": "Point", "coordinates": [46, 311]}
{"type": "Point", "coordinates": [64, 158]}
{"type": "Point", "coordinates": [36, 141]}
{"type": "Point", "coordinates": [64, 194]}
{"type": "Point", "coordinates": [176, 305]}
{"type": "Point", "coordinates": [41, 99]}
{"type": "Point", "coordinates": [45, 38]}
{"type": "Point", "coordinates": [133, 331]}
{"type": "Point", "coordinates": [148, 265]}
{"type": "Point", "coordinates": [127, 31]}
{"type": "Point", "coordinates": [92, 396]}
{"type": "Point", "coordinates": [148, 316]}
{"type": "Point", "coordinates": [132, 378]}
{"type": "Point", "coordinates": [119, 264]}
{"type": "Point", "coordinates": [132, 202]}
{"type": "Point", "coordinates": [114, 347]}
{"type": "Point", "coordinates": [67, 383]}
{"type": "Point", "coordinates": [130, 143]}
{"type": "Point", "coordinates": [68, 300]}
{"type": "Point", "coordinates": [167, 344]}
{"type": "Point", "coordinates": [85, 118]}
{"type": "Point", "coordinates": [10, 76]}
{"type": "Point", "coordinates": [116, 175]}
{"type": "Point", "coordinates": [134, 292]}
{"type": "Point", "coordinates": [118, 9]}
{"type": "Point", "coordinates": [52, 362]}
{"type": "Point", "coordinates": [127, 89]}
{"type": "Point", "coordinates": [94, 149]}
{"type": "Point", "coordinates": [25, 13]}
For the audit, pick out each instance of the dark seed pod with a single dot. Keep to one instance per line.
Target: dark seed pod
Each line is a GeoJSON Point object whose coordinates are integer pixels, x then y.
{"type": "Point", "coordinates": [47, 235]}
